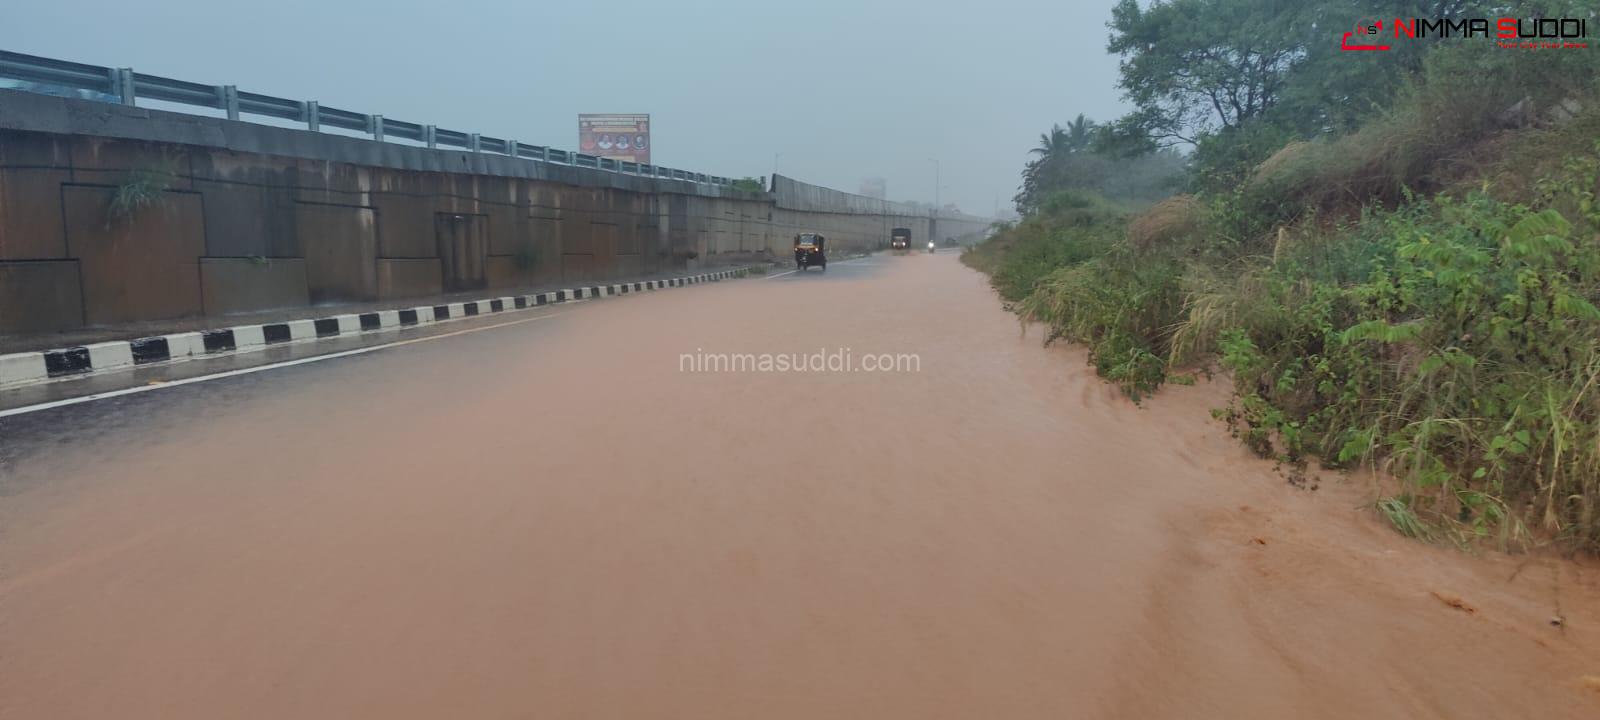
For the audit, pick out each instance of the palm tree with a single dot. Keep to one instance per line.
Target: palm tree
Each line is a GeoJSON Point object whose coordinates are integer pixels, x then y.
{"type": "Point", "coordinates": [1060, 142]}
{"type": "Point", "coordinates": [1051, 169]}
{"type": "Point", "coordinates": [1052, 144]}
{"type": "Point", "coordinates": [1080, 133]}
{"type": "Point", "coordinates": [1027, 195]}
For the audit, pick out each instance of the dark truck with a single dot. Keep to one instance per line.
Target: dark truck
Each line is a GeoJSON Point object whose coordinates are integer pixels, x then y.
{"type": "Point", "coordinates": [900, 240]}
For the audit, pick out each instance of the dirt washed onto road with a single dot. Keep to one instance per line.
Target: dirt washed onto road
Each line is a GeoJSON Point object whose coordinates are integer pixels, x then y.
{"type": "Point", "coordinates": [552, 521]}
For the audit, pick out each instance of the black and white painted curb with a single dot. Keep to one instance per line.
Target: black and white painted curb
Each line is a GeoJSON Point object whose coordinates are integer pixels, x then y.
{"type": "Point", "coordinates": [33, 367]}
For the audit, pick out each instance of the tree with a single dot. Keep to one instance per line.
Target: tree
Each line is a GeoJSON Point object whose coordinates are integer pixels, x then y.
{"type": "Point", "coordinates": [1058, 153]}
{"type": "Point", "coordinates": [1238, 79]}
{"type": "Point", "coordinates": [1073, 158]}
{"type": "Point", "coordinates": [1080, 132]}
{"type": "Point", "coordinates": [1051, 144]}
{"type": "Point", "coordinates": [1195, 66]}
{"type": "Point", "coordinates": [1061, 142]}
{"type": "Point", "coordinates": [1332, 91]}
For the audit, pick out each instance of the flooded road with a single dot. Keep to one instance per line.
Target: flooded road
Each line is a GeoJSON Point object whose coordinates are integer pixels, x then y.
{"type": "Point", "coordinates": [561, 519]}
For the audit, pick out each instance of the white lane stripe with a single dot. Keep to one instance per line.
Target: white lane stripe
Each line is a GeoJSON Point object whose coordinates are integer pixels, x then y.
{"type": "Point", "coordinates": [260, 368]}
{"type": "Point", "coordinates": [836, 262]}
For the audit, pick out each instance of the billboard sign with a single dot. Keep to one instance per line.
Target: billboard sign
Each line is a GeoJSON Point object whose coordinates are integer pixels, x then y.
{"type": "Point", "coordinates": [623, 137]}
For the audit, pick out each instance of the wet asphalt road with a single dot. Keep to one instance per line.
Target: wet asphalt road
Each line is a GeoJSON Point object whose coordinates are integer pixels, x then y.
{"type": "Point", "coordinates": [559, 519]}
{"type": "Point", "coordinates": [150, 411]}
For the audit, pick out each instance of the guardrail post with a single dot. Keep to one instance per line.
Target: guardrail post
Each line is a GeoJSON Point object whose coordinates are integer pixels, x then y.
{"type": "Point", "coordinates": [311, 110]}
{"type": "Point", "coordinates": [228, 99]}
{"type": "Point", "coordinates": [547, 153]}
{"type": "Point", "coordinates": [122, 80]}
{"type": "Point", "coordinates": [511, 148]}
{"type": "Point", "coordinates": [430, 136]}
{"type": "Point", "coordinates": [375, 124]}
{"type": "Point", "coordinates": [473, 144]}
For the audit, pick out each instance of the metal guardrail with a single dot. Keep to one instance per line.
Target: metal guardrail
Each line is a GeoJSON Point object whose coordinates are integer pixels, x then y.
{"type": "Point", "coordinates": [128, 86]}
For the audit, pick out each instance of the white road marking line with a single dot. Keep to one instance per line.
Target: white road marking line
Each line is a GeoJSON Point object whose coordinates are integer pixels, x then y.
{"type": "Point", "coordinates": [838, 262]}
{"type": "Point", "coordinates": [260, 368]}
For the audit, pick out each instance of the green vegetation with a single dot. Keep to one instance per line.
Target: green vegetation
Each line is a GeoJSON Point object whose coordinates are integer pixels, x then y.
{"type": "Point", "coordinates": [1084, 157]}
{"type": "Point", "coordinates": [1403, 276]}
{"type": "Point", "coordinates": [749, 184]}
{"type": "Point", "coordinates": [139, 191]}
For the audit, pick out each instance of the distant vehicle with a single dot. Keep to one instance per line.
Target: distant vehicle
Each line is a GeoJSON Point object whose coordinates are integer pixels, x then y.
{"type": "Point", "coordinates": [951, 242]}
{"type": "Point", "coordinates": [900, 240]}
{"type": "Point", "coordinates": [810, 249]}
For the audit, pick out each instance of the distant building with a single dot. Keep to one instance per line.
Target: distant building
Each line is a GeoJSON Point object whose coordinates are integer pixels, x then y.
{"type": "Point", "coordinates": [875, 187]}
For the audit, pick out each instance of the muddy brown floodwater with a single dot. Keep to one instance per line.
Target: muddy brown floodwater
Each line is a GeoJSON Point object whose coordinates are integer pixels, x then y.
{"type": "Point", "coordinates": [552, 521]}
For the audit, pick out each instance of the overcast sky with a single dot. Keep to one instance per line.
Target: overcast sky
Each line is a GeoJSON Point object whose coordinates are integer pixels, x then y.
{"type": "Point", "coordinates": [843, 89]}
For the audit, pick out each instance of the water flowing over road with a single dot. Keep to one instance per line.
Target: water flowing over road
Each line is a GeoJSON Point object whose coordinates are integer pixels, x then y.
{"type": "Point", "coordinates": [556, 520]}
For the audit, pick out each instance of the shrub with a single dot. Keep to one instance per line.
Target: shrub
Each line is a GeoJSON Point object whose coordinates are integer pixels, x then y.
{"type": "Point", "coordinates": [1121, 305]}
{"type": "Point", "coordinates": [1167, 221]}
{"type": "Point", "coordinates": [1465, 362]}
{"type": "Point", "coordinates": [1071, 227]}
{"type": "Point", "coordinates": [139, 191]}
{"type": "Point", "coordinates": [1419, 296]}
{"type": "Point", "coordinates": [1453, 341]}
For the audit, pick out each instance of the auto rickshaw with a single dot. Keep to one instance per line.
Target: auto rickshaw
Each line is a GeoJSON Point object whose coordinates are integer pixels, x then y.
{"type": "Point", "coordinates": [900, 240]}
{"type": "Point", "coordinates": [809, 249]}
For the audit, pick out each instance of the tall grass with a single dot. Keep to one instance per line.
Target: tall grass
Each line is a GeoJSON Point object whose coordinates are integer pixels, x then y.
{"type": "Point", "coordinates": [1448, 336]}
{"type": "Point", "coordinates": [1121, 305]}
{"type": "Point", "coordinates": [140, 190]}
{"type": "Point", "coordinates": [1074, 227]}
{"type": "Point", "coordinates": [1465, 363]}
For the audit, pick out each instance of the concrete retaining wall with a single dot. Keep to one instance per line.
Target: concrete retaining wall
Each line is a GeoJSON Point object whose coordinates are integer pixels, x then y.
{"type": "Point", "coordinates": [111, 214]}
